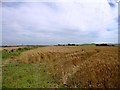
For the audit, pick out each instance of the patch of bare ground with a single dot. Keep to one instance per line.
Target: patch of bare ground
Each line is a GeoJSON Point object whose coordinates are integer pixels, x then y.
{"type": "Point", "coordinates": [79, 66]}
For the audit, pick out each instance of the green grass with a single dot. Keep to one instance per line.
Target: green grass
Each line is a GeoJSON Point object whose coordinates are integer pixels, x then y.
{"type": "Point", "coordinates": [26, 76]}
{"type": "Point", "coordinates": [9, 54]}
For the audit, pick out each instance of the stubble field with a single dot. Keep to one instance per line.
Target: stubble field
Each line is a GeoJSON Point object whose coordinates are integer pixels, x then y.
{"type": "Point", "coordinates": [64, 66]}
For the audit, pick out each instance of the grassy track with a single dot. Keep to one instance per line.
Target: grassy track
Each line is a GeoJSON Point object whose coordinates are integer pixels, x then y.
{"type": "Point", "coordinates": [26, 76]}
{"type": "Point", "coordinates": [20, 75]}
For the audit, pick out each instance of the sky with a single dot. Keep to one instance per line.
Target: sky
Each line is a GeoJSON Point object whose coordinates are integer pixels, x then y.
{"type": "Point", "coordinates": [26, 22]}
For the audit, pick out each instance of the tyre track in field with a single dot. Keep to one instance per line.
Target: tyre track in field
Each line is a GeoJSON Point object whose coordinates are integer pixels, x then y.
{"type": "Point", "coordinates": [77, 58]}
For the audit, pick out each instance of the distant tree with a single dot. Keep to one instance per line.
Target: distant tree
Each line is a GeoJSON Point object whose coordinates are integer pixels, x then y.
{"type": "Point", "coordinates": [73, 44]}
{"type": "Point", "coordinates": [59, 45]}
{"type": "Point", "coordinates": [69, 44]}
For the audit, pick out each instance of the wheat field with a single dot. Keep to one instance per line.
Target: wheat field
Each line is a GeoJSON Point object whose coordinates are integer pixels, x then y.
{"type": "Point", "coordinates": [78, 66]}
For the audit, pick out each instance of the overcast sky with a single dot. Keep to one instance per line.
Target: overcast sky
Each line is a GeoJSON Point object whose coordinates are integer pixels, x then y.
{"type": "Point", "coordinates": [69, 21]}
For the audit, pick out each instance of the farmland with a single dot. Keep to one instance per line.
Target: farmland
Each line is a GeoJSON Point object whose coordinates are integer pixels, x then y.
{"type": "Point", "coordinates": [62, 67]}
